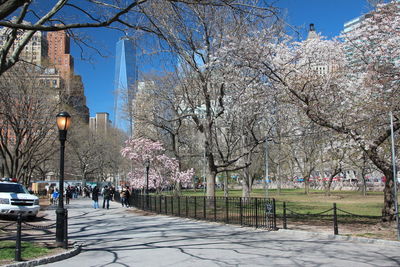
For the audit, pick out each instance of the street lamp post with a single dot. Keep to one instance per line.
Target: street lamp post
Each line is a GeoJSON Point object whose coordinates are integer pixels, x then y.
{"type": "Point", "coordinates": [63, 123]}
{"type": "Point", "coordinates": [266, 169]}
{"type": "Point", "coordinates": [396, 207]}
{"type": "Point", "coordinates": [147, 165]}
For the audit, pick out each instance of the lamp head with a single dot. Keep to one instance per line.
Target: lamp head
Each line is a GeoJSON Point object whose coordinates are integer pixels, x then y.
{"type": "Point", "coordinates": [63, 121]}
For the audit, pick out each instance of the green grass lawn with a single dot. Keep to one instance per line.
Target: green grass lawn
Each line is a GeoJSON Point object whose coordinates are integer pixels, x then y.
{"type": "Point", "coordinates": [315, 202]}
{"type": "Point", "coordinates": [29, 250]}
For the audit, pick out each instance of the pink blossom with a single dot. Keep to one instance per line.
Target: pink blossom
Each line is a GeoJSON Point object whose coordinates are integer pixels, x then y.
{"type": "Point", "coordinates": [163, 170]}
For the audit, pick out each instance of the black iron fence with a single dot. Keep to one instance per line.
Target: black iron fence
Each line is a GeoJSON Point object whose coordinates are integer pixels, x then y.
{"type": "Point", "coordinates": [333, 217]}
{"type": "Point", "coordinates": [253, 212]}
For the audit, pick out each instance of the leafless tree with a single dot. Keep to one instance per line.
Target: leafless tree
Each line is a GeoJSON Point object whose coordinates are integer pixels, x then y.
{"type": "Point", "coordinates": [27, 121]}
{"type": "Point", "coordinates": [94, 155]}
{"type": "Point", "coordinates": [70, 15]}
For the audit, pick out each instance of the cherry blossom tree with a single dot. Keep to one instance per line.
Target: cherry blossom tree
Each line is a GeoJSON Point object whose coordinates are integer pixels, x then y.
{"type": "Point", "coordinates": [346, 86]}
{"type": "Point", "coordinates": [163, 170]}
{"type": "Point", "coordinates": [193, 34]}
{"type": "Point", "coordinates": [350, 98]}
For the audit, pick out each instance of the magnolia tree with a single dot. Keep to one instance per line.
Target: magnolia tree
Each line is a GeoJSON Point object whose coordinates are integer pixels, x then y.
{"type": "Point", "coordinates": [163, 170]}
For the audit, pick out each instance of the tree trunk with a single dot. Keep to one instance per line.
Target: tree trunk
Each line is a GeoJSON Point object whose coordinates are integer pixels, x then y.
{"type": "Point", "coordinates": [211, 183]}
{"type": "Point", "coordinates": [194, 184]}
{"type": "Point", "coordinates": [306, 185]}
{"type": "Point", "coordinates": [247, 183]}
{"type": "Point", "coordinates": [388, 209]}
{"type": "Point", "coordinates": [328, 187]}
{"type": "Point", "coordinates": [279, 187]}
{"type": "Point", "coordinates": [364, 183]}
{"type": "Point", "coordinates": [226, 189]}
{"type": "Point", "coordinates": [177, 189]}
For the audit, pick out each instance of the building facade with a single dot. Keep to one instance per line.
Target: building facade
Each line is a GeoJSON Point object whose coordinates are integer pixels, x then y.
{"type": "Point", "coordinates": [59, 55]}
{"type": "Point", "coordinates": [100, 123]}
{"type": "Point", "coordinates": [60, 58]}
{"type": "Point", "coordinates": [34, 51]}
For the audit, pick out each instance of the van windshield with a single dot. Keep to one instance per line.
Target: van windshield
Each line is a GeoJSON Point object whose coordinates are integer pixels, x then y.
{"type": "Point", "coordinates": [12, 188]}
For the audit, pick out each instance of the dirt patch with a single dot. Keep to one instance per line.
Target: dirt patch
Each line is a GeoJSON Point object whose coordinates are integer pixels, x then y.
{"type": "Point", "coordinates": [140, 212]}
{"type": "Point", "coordinates": [379, 230]}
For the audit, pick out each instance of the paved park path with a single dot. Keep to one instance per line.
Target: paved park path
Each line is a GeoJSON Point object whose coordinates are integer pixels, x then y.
{"type": "Point", "coordinates": [118, 237]}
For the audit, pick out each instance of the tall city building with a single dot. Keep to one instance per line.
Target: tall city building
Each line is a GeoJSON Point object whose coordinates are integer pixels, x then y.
{"type": "Point", "coordinates": [101, 123]}
{"type": "Point", "coordinates": [321, 67]}
{"type": "Point", "coordinates": [355, 55]}
{"type": "Point", "coordinates": [59, 55]}
{"type": "Point", "coordinates": [125, 84]}
{"type": "Point", "coordinates": [34, 51]}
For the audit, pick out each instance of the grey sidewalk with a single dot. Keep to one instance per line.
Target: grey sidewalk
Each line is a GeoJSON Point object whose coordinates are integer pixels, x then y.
{"type": "Point", "coordinates": [117, 237]}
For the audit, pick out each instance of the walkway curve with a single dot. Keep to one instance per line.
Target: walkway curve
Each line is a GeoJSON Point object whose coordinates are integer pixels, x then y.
{"type": "Point", "coordinates": [119, 237]}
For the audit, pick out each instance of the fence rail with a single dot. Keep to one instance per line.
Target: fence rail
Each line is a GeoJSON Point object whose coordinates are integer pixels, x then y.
{"type": "Point", "coordinates": [253, 212]}
{"type": "Point", "coordinates": [333, 215]}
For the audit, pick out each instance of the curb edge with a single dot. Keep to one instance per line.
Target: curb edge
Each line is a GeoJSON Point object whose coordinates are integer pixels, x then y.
{"type": "Point", "coordinates": [54, 258]}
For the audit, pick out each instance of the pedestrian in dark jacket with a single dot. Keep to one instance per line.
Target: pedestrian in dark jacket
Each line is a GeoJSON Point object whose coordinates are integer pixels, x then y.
{"type": "Point", "coordinates": [68, 195]}
{"type": "Point", "coordinates": [106, 197]}
{"type": "Point", "coordinates": [95, 197]}
{"type": "Point", "coordinates": [127, 197]}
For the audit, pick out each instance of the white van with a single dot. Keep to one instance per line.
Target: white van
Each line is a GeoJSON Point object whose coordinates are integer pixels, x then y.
{"type": "Point", "coordinates": [15, 199]}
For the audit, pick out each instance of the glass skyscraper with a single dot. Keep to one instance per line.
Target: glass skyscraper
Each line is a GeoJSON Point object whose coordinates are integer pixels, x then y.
{"type": "Point", "coordinates": [126, 77]}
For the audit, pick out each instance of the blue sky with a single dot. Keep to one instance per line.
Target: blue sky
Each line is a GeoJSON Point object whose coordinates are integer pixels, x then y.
{"type": "Point", "coordinates": [98, 73]}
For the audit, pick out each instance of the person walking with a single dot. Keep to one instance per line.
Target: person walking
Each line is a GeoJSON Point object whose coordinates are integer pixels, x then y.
{"type": "Point", "coordinates": [127, 197]}
{"type": "Point", "coordinates": [106, 197]}
{"type": "Point", "coordinates": [50, 193]}
{"type": "Point", "coordinates": [68, 195]}
{"type": "Point", "coordinates": [56, 194]}
{"type": "Point", "coordinates": [95, 197]}
{"type": "Point", "coordinates": [123, 196]}
{"type": "Point", "coordinates": [112, 193]}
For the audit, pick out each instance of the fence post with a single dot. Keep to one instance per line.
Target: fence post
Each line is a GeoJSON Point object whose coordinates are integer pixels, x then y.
{"type": "Point", "coordinates": [335, 223]}
{"type": "Point", "coordinates": [226, 210]}
{"type": "Point", "coordinates": [273, 201]}
{"type": "Point", "coordinates": [66, 229]}
{"type": "Point", "coordinates": [241, 211]}
{"type": "Point", "coordinates": [18, 241]}
{"type": "Point", "coordinates": [204, 207]}
{"type": "Point", "coordinates": [195, 207]}
{"type": "Point", "coordinates": [187, 208]}
{"type": "Point", "coordinates": [179, 206]}
{"type": "Point", "coordinates": [165, 204]}
{"type": "Point", "coordinates": [172, 205]}
{"type": "Point", "coordinates": [215, 209]}
{"type": "Point", "coordinates": [256, 211]}
{"type": "Point", "coordinates": [284, 216]}
{"type": "Point", "coordinates": [159, 202]}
